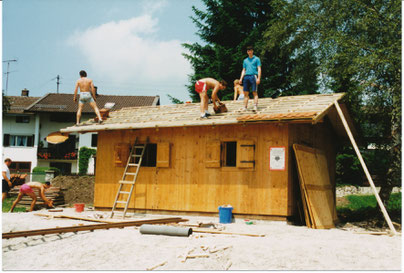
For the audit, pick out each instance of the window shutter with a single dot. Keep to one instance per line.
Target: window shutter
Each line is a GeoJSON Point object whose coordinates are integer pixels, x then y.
{"type": "Point", "coordinates": [30, 141]}
{"type": "Point", "coordinates": [245, 153]}
{"type": "Point", "coordinates": [6, 140]}
{"type": "Point", "coordinates": [163, 155]}
{"type": "Point", "coordinates": [212, 159]}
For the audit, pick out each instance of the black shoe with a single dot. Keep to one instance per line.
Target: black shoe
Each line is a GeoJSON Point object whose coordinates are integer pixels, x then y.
{"type": "Point", "coordinates": [207, 114]}
{"type": "Point", "coordinates": [204, 117]}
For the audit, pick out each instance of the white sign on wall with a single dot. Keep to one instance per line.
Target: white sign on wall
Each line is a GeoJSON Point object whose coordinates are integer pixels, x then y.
{"type": "Point", "coordinates": [277, 158]}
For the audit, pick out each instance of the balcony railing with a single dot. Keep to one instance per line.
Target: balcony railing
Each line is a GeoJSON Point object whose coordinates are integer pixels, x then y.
{"type": "Point", "coordinates": [52, 153]}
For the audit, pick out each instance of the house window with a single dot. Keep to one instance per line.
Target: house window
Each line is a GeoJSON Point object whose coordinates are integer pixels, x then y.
{"type": "Point", "coordinates": [150, 155]}
{"type": "Point", "coordinates": [65, 168]}
{"type": "Point", "coordinates": [22, 167]}
{"type": "Point", "coordinates": [22, 119]}
{"type": "Point", "coordinates": [18, 141]}
{"type": "Point", "coordinates": [62, 117]}
{"type": "Point", "coordinates": [229, 154]}
{"type": "Point", "coordinates": [94, 139]}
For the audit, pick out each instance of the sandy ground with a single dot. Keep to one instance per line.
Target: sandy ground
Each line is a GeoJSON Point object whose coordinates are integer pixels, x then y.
{"type": "Point", "coordinates": [285, 247]}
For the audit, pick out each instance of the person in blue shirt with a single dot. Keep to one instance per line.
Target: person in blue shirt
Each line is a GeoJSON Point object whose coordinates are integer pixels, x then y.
{"type": "Point", "coordinates": [251, 77]}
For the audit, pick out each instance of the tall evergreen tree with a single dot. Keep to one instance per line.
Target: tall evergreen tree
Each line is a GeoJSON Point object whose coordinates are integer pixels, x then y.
{"type": "Point", "coordinates": [227, 27]}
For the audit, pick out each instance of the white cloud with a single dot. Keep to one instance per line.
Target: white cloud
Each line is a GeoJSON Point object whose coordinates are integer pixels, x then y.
{"type": "Point", "coordinates": [128, 52]}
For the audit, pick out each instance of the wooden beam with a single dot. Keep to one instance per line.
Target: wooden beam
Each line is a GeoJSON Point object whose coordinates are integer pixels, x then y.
{"type": "Point", "coordinates": [74, 218]}
{"type": "Point", "coordinates": [26, 233]}
{"type": "Point", "coordinates": [365, 169]}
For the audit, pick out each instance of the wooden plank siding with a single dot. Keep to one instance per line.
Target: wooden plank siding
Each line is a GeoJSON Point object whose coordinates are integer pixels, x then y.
{"type": "Point", "coordinates": [188, 184]}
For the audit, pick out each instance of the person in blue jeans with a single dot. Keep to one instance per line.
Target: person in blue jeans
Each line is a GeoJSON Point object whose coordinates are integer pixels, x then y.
{"type": "Point", "coordinates": [251, 77]}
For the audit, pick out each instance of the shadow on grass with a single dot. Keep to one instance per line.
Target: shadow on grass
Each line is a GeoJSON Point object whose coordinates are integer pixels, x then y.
{"type": "Point", "coordinates": [365, 208]}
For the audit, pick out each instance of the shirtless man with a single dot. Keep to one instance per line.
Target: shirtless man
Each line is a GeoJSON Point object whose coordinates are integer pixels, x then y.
{"type": "Point", "coordinates": [27, 189]}
{"type": "Point", "coordinates": [202, 86]}
{"type": "Point", "coordinates": [238, 90]}
{"type": "Point", "coordinates": [87, 94]}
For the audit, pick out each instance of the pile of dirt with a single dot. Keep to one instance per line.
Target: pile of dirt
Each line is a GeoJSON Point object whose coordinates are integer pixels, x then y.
{"type": "Point", "coordinates": [76, 189]}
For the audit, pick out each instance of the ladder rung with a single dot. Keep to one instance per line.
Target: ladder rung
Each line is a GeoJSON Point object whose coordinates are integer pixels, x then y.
{"type": "Point", "coordinates": [133, 164]}
{"type": "Point", "coordinates": [139, 146]}
{"type": "Point", "coordinates": [125, 192]}
{"type": "Point", "coordinates": [126, 182]}
{"type": "Point", "coordinates": [128, 173]}
{"type": "Point", "coordinates": [134, 155]}
{"type": "Point", "coordinates": [121, 202]}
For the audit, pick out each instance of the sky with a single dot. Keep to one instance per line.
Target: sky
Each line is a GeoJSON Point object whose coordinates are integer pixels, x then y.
{"type": "Point", "coordinates": [128, 47]}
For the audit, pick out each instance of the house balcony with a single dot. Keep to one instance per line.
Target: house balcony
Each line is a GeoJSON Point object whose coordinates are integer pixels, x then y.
{"type": "Point", "coordinates": [56, 153]}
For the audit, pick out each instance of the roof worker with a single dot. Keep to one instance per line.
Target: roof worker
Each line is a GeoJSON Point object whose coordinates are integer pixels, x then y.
{"type": "Point", "coordinates": [6, 182]}
{"type": "Point", "coordinates": [251, 76]}
{"type": "Point", "coordinates": [202, 86]}
{"type": "Point", "coordinates": [26, 189]}
{"type": "Point", "coordinates": [238, 90]}
{"type": "Point", "coordinates": [87, 94]}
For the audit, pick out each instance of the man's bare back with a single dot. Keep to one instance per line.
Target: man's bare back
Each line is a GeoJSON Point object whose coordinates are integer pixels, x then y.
{"type": "Point", "coordinates": [85, 84]}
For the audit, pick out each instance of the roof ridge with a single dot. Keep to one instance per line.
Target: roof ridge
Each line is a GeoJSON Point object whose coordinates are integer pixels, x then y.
{"type": "Point", "coordinates": [37, 101]}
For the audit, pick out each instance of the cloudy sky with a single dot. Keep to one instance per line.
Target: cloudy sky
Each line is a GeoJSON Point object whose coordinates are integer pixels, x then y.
{"type": "Point", "coordinates": [128, 47]}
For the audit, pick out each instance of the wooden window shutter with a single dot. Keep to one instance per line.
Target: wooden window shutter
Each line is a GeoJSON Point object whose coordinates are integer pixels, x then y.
{"type": "Point", "coordinates": [163, 155]}
{"type": "Point", "coordinates": [245, 154]}
{"type": "Point", "coordinates": [212, 159]}
{"type": "Point", "coordinates": [6, 140]}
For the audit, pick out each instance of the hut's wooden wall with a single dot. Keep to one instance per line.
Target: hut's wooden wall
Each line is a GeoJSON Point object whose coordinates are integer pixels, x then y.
{"type": "Point", "coordinates": [190, 182]}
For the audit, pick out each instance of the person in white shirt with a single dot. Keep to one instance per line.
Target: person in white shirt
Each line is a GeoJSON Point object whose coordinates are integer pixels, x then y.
{"type": "Point", "coordinates": [6, 182]}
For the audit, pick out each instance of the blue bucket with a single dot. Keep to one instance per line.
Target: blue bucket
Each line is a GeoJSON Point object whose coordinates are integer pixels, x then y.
{"type": "Point", "coordinates": [225, 215]}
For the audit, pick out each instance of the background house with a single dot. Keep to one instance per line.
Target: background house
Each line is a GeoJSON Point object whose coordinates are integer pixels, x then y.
{"type": "Point", "coordinates": [30, 119]}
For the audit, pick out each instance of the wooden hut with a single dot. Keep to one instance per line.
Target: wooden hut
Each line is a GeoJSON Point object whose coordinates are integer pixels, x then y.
{"type": "Point", "coordinates": [240, 158]}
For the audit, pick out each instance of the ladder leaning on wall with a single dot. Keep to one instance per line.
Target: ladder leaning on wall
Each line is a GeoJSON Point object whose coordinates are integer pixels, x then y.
{"type": "Point", "coordinates": [134, 161]}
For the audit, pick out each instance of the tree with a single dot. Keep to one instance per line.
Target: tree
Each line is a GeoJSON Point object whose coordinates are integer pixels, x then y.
{"type": "Point", "coordinates": [228, 27]}
{"type": "Point", "coordinates": [174, 100]}
{"type": "Point", "coordinates": [358, 46]}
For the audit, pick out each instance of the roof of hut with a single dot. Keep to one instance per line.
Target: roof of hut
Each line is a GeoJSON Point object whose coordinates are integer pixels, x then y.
{"type": "Point", "coordinates": [303, 108]}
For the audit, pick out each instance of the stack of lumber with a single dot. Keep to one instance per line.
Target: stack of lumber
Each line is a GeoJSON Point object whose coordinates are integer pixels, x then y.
{"type": "Point", "coordinates": [315, 186]}
{"type": "Point", "coordinates": [53, 193]}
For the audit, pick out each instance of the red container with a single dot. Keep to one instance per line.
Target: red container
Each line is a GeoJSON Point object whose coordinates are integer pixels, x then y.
{"type": "Point", "coordinates": [79, 207]}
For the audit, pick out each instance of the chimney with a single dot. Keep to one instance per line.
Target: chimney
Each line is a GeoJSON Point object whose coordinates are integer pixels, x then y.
{"type": "Point", "coordinates": [25, 92]}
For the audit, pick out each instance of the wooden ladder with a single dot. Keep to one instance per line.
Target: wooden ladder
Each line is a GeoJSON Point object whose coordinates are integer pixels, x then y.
{"type": "Point", "coordinates": [135, 163]}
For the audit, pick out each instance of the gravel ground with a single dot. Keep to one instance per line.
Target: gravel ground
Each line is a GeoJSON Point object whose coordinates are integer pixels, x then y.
{"type": "Point", "coordinates": [284, 247]}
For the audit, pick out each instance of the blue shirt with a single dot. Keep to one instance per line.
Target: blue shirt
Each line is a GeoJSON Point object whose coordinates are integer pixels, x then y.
{"type": "Point", "coordinates": [251, 65]}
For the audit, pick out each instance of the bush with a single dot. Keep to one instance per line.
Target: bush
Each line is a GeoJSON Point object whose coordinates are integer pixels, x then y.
{"type": "Point", "coordinates": [84, 157]}
{"type": "Point", "coordinates": [44, 169]}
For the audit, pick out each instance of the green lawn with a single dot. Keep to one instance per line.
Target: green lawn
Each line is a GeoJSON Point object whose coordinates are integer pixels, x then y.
{"type": "Point", "coordinates": [7, 206]}
{"type": "Point", "coordinates": [365, 207]}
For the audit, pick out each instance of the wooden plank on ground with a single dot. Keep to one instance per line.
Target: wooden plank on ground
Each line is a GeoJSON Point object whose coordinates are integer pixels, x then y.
{"type": "Point", "coordinates": [315, 181]}
{"type": "Point", "coordinates": [26, 233]}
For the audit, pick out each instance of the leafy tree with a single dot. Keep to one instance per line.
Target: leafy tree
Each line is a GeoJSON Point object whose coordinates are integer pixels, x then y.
{"type": "Point", "coordinates": [6, 104]}
{"type": "Point", "coordinates": [227, 28]}
{"type": "Point", "coordinates": [174, 100]}
{"type": "Point", "coordinates": [358, 46]}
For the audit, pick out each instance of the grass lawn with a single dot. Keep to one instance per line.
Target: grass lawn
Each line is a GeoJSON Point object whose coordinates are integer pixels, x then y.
{"type": "Point", "coordinates": [7, 206]}
{"type": "Point", "coordinates": [365, 207]}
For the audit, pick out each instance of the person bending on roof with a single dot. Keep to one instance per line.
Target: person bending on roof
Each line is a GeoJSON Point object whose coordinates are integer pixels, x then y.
{"type": "Point", "coordinates": [87, 94]}
{"type": "Point", "coordinates": [202, 86]}
{"type": "Point", "coordinates": [26, 189]}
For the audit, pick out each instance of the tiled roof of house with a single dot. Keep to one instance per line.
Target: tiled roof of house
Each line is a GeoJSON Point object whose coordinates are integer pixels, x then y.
{"type": "Point", "coordinates": [19, 103]}
{"type": "Point", "coordinates": [305, 108]}
{"type": "Point", "coordinates": [64, 103]}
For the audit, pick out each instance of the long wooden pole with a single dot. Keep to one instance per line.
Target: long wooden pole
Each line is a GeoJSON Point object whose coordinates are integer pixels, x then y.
{"type": "Point", "coordinates": [365, 169]}
{"type": "Point", "coordinates": [27, 233]}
